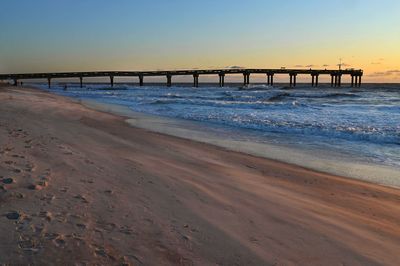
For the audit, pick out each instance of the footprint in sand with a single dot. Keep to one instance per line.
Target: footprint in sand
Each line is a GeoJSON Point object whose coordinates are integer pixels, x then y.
{"type": "Point", "coordinates": [60, 241]}
{"type": "Point", "coordinates": [48, 198]}
{"type": "Point", "coordinates": [28, 244]}
{"type": "Point", "coordinates": [57, 239]}
{"type": "Point", "coordinates": [81, 226]}
{"type": "Point", "coordinates": [35, 187]}
{"type": "Point", "coordinates": [87, 181]}
{"type": "Point", "coordinates": [66, 150]}
{"type": "Point", "coordinates": [51, 236]}
{"type": "Point", "coordinates": [75, 216]}
{"type": "Point", "coordinates": [29, 167]}
{"type": "Point", "coordinates": [17, 195]}
{"type": "Point", "coordinates": [40, 185]}
{"type": "Point", "coordinates": [17, 171]}
{"type": "Point", "coordinates": [109, 192]}
{"type": "Point", "coordinates": [18, 156]}
{"type": "Point", "coordinates": [81, 198]}
{"type": "Point", "coordinates": [46, 176]}
{"type": "Point", "coordinates": [8, 149]}
{"type": "Point", "coordinates": [38, 229]}
{"type": "Point", "coordinates": [24, 223]}
{"type": "Point", "coordinates": [126, 230]}
{"type": "Point", "coordinates": [88, 161]}
{"type": "Point", "coordinates": [43, 183]}
{"type": "Point", "coordinates": [46, 215]}
{"type": "Point", "coordinates": [102, 252]}
{"type": "Point", "coordinates": [109, 227]}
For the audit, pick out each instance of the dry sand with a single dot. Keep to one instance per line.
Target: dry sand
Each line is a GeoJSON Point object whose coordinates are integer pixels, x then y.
{"type": "Point", "coordinates": [82, 187]}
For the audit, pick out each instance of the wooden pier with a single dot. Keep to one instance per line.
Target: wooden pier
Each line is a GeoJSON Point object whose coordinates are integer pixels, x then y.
{"type": "Point", "coordinates": [336, 75]}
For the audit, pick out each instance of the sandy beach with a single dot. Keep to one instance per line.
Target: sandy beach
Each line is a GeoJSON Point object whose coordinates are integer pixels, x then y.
{"type": "Point", "coordinates": [83, 187]}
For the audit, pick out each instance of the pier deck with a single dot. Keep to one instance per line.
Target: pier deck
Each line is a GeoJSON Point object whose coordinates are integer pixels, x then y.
{"type": "Point", "coordinates": [336, 75]}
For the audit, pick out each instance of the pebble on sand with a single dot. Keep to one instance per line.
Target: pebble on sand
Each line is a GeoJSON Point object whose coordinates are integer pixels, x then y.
{"type": "Point", "coordinates": [13, 215]}
{"type": "Point", "coordinates": [8, 180]}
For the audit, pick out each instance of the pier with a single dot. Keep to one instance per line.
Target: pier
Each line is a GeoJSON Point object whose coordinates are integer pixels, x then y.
{"type": "Point", "coordinates": [336, 75]}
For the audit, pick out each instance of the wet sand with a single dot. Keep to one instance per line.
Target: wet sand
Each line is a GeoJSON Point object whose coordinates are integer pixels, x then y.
{"type": "Point", "coordinates": [81, 186]}
{"type": "Point", "coordinates": [321, 160]}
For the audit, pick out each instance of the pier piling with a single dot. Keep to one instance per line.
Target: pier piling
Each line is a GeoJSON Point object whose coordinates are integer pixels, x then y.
{"type": "Point", "coordinates": [196, 80]}
{"type": "Point", "coordinates": [140, 80]}
{"type": "Point", "coordinates": [246, 78]}
{"type": "Point", "coordinates": [221, 79]}
{"type": "Point", "coordinates": [270, 79]}
{"type": "Point", "coordinates": [315, 80]}
{"type": "Point", "coordinates": [293, 81]}
{"type": "Point", "coordinates": [169, 81]}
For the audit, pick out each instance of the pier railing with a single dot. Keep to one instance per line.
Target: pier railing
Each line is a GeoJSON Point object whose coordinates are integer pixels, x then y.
{"type": "Point", "coordinates": [336, 75]}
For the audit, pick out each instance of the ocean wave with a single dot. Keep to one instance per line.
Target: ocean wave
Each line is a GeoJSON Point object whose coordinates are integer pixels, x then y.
{"type": "Point", "coordinates": [326, 95]}
{"type": "Point", "coordinates": [173, 96]}
{"type": "Point", "coordinates": [351, 133]}
{"type": "Point", "coordinates": [278, 97]}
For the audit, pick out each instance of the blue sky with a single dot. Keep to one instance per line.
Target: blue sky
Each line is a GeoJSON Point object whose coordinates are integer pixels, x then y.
{"type": "Point", "coordinates": [78, 35]}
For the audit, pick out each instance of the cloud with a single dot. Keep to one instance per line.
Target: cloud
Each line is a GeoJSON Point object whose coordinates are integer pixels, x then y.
{"type": "Point", "coordinates": [396, 71]}
{"type": "Point", "coordinates": [234, 67]}
{"type": "Point", "coordinates": [310, 65]}
{"type": "Point", "coordinates": [344, 65]}
{"type": "Point", "coordinates": [298, 66]}
{"type": "Point", "coordinates": [385, 73]}
{"type": "Point", "coordinates": [378, 74]}
{"type": "Point", "coordinates": [378, 61]}
{"type": "Point", "coordinates": [325, 65]}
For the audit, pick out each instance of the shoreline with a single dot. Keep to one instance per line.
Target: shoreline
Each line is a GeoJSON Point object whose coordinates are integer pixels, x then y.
{"type": "Point", "coordinates": [314, 160]}
{"type": "Point", "coordinates": [83, 187]}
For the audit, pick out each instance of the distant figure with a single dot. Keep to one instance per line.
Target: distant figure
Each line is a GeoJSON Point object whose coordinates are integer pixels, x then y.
{"type": "Point", "coordinates": [65, 87]}
{"type": "Point", "coordinates": [22, 84]}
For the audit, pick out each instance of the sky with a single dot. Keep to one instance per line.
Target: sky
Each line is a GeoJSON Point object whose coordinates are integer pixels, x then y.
{"type": "Point", "coordinates": [95, 35]}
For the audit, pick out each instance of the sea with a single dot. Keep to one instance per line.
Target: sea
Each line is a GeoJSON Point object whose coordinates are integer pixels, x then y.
{"type": "Point", "coordinates": [353, 124]}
